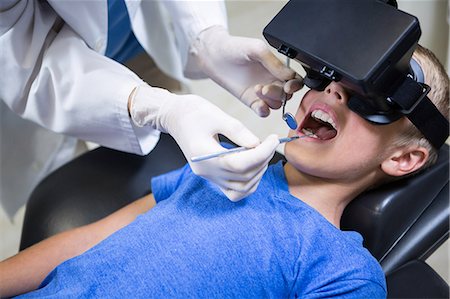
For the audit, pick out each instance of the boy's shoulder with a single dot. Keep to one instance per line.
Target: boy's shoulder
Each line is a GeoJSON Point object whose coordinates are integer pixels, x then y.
{"type": "Point", "coordinates": [336, 256]}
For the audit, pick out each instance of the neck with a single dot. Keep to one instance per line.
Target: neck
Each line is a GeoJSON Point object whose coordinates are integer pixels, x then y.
{"type": "Point", "coordinates": [328, 197]}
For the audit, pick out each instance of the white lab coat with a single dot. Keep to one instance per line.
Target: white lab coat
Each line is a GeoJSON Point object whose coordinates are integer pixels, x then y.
{"type": "Point", "coordinates": [53, 73]}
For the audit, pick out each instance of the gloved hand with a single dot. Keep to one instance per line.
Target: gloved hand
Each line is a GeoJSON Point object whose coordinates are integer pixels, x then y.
{"type": "Point", "coordinates": [194, 123]}
{"type": "Point", "coordinates": [245, 67]}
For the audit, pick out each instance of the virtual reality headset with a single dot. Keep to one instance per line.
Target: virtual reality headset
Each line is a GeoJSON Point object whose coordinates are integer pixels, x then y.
{"type": "Point", "coordinates": [367, 46]}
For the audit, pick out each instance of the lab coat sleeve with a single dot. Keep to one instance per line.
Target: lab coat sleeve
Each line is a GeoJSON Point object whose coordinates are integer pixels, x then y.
{"type": "Point", "coordinates": [189, 19]}
{"type": "Point", "coordinates": [50, 76]}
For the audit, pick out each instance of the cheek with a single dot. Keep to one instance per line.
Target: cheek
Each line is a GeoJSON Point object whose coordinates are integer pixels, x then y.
{"type": "Point", "coordinates": [359, 140]}
{"type": "Point", "coordinates": [347, 158]}
{"type": "Point", "coordinates": [310, 159]}
{"type": "Point", "coordinates": [363, 147]}
{"type": "Point", "coordinates": [306, 101]}
{"type": "Point", "coordinates": [342, 165]}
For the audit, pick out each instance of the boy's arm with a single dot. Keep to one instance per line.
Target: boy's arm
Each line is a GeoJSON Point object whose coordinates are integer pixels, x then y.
{"type": "Point", "coordinates": [27, 269]}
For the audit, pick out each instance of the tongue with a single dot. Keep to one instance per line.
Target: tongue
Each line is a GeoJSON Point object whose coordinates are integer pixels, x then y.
{"type": "Point", "coordinates": [325, 133]}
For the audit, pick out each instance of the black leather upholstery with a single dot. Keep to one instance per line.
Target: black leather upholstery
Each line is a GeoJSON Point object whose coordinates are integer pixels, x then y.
{"type": "Point", "coordinates": [416, 280]}
{"type": "Point", "coordinates": [401, 222]}
{"type": "Point", "coordinates": [405, 220]}
{"type": "Point", "coordinates": [92, 186]}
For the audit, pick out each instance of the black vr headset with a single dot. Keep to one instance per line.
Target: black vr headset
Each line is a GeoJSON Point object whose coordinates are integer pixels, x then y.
{"type": "Point", "coordinates": [367, 46]}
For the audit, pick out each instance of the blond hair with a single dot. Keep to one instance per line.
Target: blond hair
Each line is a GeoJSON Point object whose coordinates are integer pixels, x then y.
{"type": "Point", "coordinates": [438, 80]}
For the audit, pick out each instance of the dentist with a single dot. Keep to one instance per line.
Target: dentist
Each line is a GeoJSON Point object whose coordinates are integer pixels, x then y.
{"type": "Point", "coordinates": [61, 68]}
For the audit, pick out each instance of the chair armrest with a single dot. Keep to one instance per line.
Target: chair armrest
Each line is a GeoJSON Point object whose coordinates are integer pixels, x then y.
{"type": "Point", "coordinates": [416, 279]}
{"type": "Point", "coordinates": [93, 186]}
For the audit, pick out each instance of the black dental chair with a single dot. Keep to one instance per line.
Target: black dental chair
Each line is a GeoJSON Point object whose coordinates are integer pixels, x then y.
{"type": "Point", "coordinates": [403, 223]}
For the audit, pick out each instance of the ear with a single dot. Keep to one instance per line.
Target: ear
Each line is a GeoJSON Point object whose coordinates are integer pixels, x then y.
{"type": "Point", "coordinates": [405, 161]}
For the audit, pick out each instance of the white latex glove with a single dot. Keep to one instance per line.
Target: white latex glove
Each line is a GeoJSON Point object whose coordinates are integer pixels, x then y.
{"type": "Point", "coordinates": [245, 67]}
{"type": "Point", "coordinates": [195, 123]}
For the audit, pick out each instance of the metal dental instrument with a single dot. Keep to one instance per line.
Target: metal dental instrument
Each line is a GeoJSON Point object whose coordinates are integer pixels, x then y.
{"type": "Point", "coordinates": [288, 117]}
{"type": "Point", "coordinates": [238, 149]}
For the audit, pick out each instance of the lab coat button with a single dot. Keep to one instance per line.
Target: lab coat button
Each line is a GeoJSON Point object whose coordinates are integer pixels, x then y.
{"type": "Point", "coordinates": [99, 44]}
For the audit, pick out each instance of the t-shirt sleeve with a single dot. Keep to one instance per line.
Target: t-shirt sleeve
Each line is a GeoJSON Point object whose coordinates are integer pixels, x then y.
{"type": "Point", "coordinates": [349, 289]}
{"type": "Point", "coordinates": [163, 186]}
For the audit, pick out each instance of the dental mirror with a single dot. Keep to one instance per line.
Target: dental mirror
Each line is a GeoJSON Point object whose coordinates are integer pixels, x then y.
{"type": "Point", "coordinates": [290, 120]}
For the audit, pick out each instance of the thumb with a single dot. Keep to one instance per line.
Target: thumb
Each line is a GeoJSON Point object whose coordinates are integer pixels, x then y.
{"type": "Point", "coordinates": [239, 134]}
{"type": "Point", "coordinates": [259, 155]}
{"type": "Point", "coordinates": [269, 144]}
{"type": "Point", "coordinates": [260, 108]}
{"type": "Point", "coordinates": [261, 53]}
{"type": "Point", "coordinates": [293, 85]}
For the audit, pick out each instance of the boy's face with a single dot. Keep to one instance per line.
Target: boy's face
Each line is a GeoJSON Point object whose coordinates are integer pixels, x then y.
{"type": "Point", "coordinates": [346, 146]}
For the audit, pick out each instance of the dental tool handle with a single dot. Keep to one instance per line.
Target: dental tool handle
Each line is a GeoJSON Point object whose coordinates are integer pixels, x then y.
{"type": "Point", "coordinates": [235, 150]}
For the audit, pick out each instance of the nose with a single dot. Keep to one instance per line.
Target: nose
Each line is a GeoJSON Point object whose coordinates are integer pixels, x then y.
{"type": "Point", "coordinates": [337, 92]}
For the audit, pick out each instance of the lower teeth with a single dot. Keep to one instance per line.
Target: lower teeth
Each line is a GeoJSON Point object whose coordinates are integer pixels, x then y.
{"type": "Point", "coordinates": [309, 133]}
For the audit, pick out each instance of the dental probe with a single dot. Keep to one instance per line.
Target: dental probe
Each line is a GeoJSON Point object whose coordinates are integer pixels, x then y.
{"type": "Point", "coordinates": [238, 149]}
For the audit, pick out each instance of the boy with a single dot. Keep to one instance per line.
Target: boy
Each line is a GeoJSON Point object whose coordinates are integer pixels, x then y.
{"type": "Point", "coordinates": [282, 241]}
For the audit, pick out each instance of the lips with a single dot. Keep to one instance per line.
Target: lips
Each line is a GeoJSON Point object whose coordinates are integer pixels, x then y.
{"type": "Point", "coordinates": [319, 124]}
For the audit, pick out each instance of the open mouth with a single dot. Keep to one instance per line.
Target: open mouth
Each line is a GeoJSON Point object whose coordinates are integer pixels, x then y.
{"type": "Point", "coordinates": [319, 125]}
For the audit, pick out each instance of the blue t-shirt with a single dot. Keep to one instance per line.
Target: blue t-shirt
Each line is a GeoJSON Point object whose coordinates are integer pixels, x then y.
{"type": "Point", "coordinates": [197, 244]}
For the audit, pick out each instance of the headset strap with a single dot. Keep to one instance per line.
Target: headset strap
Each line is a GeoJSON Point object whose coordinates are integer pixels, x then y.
{"type": "Point", "coordinates": [412, 97]}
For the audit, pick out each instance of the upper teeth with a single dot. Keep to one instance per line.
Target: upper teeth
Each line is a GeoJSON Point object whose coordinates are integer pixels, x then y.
{"type": "Point", "coordinates": [323, 116]}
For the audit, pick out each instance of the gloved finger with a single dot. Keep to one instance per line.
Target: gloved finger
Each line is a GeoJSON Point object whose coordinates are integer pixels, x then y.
{"type": "Point", "coordinates": [251, 185]}
{"type": "Point", "coordinates": [293, 85]}
{"type": "Point", "coordinates": [222, 184]}
{"type": "Point", "coordinates": [261, 53]}
{"type": "Point", "coordinates": [251, 98]}
{"type": "Point", "coordinates": [244, 177]}
{"type": "Point", "coordinates": [250, 159]}
{"type": "Point", "coordinates": [273, 95]}
{"type": "Point", "coordinates": [238, 133]}
{"type": "Point", "coordinates": [236, 196]}
{"type": "Point", "coordinates": [233, 195]}
{"type": "Point", "coordinates": [260, 108]}
{"type": "Point", "coordinates": [245, 186]}
{"type": "Point", "coordinates": [228, 180]}
{"type": "Point", "coordinates": [236, 180]}
{"type": "Point", "coordinates": [224, 177]}
{"type": "Point", "coordinates": [213, 169]}
{"type": "Point", "coordinates": [199, 147]}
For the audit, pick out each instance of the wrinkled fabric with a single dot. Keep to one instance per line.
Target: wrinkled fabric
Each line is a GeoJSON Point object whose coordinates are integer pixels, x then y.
{"type": "Point", "coordinates": [197, 244]}
{"type": "Point", "coordinates": [193, 122]}
{"type": "Point", "coordinates": [58, 77]}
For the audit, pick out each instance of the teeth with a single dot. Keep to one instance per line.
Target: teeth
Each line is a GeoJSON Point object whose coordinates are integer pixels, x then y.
{"type": "Point", "coordinates": [309, 133]}
{"type": "Point", "coordinates": [323, 116]}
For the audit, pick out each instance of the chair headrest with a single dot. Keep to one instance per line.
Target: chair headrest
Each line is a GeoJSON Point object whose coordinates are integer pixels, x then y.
{"type": "Point", "coordinates": [385, 214]}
